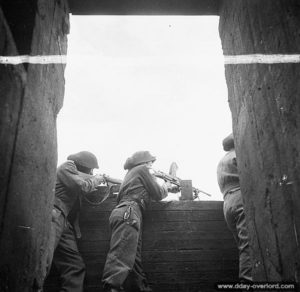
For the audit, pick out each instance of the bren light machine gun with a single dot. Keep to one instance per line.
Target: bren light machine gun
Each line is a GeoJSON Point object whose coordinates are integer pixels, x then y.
{"type": "Point", "coordinates": [176, 181]}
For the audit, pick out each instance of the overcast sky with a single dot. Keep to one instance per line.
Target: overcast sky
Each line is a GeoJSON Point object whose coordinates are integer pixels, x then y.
{"type": "Point", "coordinates": [152, 83]}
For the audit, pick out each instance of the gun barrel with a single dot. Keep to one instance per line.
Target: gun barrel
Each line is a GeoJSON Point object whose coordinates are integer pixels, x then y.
{"type": "Point", "coordinates": [166, 177]}
{"type": "Point", "coordinates": [112, 180]}
{"type": "Point", "coordinates": [176, 181]}
{"type": "Point", "coordinates": [199, 191]}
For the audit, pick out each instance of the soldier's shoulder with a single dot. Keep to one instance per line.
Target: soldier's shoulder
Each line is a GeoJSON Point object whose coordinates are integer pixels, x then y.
{"type": "Point", "coordinates": [67, 165]}
{"type": "Point", "coordinates": [141, 168]}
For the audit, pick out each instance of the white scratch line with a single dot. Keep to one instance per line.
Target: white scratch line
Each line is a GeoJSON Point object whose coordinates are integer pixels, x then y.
{"type": "Point", "coordinates": [228, 60]}
{"type": "Point", "coordinates": [50, 59]}
{"type": "Point", "coordinates": [261, 59]}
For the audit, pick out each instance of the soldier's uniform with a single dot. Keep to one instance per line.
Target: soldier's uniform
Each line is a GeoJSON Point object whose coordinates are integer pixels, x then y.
{"type": "Point", "coordinates": [229, 184]}
{"type": "Point", "coordinates": [70, 185]}
{"type": "Point", "coordinates": [123, 268]}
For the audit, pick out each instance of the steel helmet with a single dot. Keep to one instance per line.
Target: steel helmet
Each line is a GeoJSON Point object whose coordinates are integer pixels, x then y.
{"type": "Point", "coordinates": [85, 159]}
{"type": "Point", "coordinates": [138, 158]}
{"type": "Point", "coordinates": [228, 142]}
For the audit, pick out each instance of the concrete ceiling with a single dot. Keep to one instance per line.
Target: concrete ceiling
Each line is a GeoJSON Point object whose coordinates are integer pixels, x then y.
{"type": "Point", "coordinates": [145, 7]}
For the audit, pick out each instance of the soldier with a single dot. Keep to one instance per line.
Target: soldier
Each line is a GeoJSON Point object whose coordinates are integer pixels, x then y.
{"type": "Point", "coordinates": [74, 179]}
{"type": "Point", "coordinates": [229, 184]}
{"type": "Point", "coordinates": [123, 268]}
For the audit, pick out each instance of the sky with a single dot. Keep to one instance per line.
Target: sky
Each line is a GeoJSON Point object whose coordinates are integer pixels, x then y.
{"type": "Point", "coordinates": [152, 83]}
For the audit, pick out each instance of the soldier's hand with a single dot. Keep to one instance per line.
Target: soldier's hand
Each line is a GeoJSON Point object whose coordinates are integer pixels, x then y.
{"type": "Point", "coordinates": [100, 179]}
{"type": "Point", "coordinates": [172, 188]}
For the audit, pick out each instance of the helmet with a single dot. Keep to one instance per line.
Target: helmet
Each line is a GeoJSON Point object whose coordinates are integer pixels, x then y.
{"type": "Point", "coordinates": [138, 158]}
{"type": "Point", "coordinates": [228, 142]}
{"type": "Point", "coordinates": [85, 159]}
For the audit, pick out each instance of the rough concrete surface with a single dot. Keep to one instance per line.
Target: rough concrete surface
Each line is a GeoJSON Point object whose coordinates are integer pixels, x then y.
{"type": "Point", "coordinates": [31, 97]}
{"type": "Point", "coordinates": [265, 105]}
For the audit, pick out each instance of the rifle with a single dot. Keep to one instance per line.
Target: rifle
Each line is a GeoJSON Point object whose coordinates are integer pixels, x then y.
{"type": "Point", "coordinates": [111, 180]}
{"type": "Point", "coordinates": [110, 186]}
{"type": "Point", "coordinates": [176, 181]}
{"type": "Point", "coordinates": [166, 177]}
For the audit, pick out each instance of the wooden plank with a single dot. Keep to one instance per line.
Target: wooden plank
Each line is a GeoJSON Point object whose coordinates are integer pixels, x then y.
{"type": "Point", "coordinates": [210, 226]}
{"type": "Point", "coordinates": [158, 216]}
{"type": "Point", "coordinates": [191, 276]}
{"type": "Point", "coordinates": [173, 284]}
{"type": "Point", "coordinates": [178, 216]}
{"type": "Point", "coordinates": [265, 105]}
{"type": "Point", "coordinates": [103, 234]}
{"type": "Point", "coordinates": [145, 7]}
{"type": "Point", "coordinates": [187, 205]}
{"type": "Point", "coordinates": [163, 244]}
{"type": "Point", "coordinates": [110, 203]}
{"type": "Point", "coordinates": [186, 235]}
{"type": "Point", "coordinates": [184, 242]}
{"type": "Point", "coordinates": [98, 234]}
{"type": "Point", "coordinates": [221, 255]}
{"type": "Point", "coordinates": [174, 267]}
{"type": "Point", "coordinates": [190, 255]}
{"type": "Point", "coordinates": [187, 277]}
{"type": "Point", "coordinates": [157, 226]}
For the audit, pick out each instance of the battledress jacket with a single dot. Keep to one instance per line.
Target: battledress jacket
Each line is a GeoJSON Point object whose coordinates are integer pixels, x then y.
{"type": "Point", "coordinates": [227, 173]}
{"type": "Point", "coordinates": [140, 186]}
{"type": "Point", "coordinates": [70, 185]}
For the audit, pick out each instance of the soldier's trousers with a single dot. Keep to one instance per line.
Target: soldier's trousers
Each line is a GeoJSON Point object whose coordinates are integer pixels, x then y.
{"type": "Point", "coordinates": [66, 257]}
{"type": "Point", "coordinates": [236, 221]}
{"type": "Point", "coordinates": [123, 267]}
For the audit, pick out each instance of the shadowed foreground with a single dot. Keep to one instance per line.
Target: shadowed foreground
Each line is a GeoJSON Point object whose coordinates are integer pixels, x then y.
{"type": "Point", "coordinates": [186, 246]}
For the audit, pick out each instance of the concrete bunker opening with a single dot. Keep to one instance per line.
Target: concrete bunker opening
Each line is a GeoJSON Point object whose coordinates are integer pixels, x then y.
{"type": "Point", "coordinates": [147, 82]}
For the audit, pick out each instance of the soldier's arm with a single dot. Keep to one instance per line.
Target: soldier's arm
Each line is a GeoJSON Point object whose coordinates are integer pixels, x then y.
{"type": "Point", "coordinates": [75, 180]}
{"type": "Point", "coordinates": [112, 180]}
{"type": "Point", "coordinates": [156, 191]}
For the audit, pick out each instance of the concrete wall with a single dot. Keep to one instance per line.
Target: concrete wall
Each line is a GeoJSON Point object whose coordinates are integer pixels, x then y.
{"type": "Point", "coordinates": [145, 7]}
{"type": "Point", "coordinates": [265, 106]}
{"type": "Point", "coordinates": [31, 96]}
